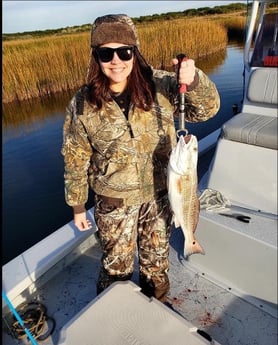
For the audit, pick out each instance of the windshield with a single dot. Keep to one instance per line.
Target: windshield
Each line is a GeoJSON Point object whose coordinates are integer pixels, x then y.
{"type": "Point", "coordinates": [266, 49]}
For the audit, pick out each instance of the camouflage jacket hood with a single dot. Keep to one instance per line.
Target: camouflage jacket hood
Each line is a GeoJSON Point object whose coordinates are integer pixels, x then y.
{"type": "Point", "coordinates": [128, 159]}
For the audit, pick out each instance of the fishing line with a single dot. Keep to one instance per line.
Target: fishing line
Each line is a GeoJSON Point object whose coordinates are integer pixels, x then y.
{"type": "Point", "coordinates": [17, 316]}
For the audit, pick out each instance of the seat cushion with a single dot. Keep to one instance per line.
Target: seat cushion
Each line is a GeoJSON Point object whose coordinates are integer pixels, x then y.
{"type": "Point", "coordinates": [262, 87]}
{"type": "Point", "coordinates": [252, 129]}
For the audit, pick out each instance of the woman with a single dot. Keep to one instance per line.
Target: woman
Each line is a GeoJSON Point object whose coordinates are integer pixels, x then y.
{"type": "Point", "coordinates": [118, 135]}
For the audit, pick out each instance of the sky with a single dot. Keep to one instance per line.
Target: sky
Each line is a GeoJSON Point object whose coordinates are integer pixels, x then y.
{"type": "Point", "coordinates": [24, 16]}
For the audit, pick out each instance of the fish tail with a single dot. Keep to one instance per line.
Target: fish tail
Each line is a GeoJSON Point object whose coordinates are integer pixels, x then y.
{"type": "Point", "coordinates": [193, 248]}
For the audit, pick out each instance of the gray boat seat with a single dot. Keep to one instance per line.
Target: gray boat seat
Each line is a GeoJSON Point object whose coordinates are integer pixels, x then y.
{"type": "Point", "coordinates": [262, 86]}
{"type": "Point", "coordinates": [252, 128]}
{"type": "Point", "coordinates": [244, 168]}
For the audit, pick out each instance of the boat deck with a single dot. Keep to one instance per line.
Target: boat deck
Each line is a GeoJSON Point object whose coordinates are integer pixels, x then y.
{"type": "Point", "coordinates": [226, 317]}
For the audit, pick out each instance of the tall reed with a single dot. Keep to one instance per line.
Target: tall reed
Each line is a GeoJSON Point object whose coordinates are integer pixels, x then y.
{"type": "Point", "coordinates": [41, 67]}
{"type": "Point", "coordinates": [196, 38]}
{"type": "Point", "coordinates": [44, 66]}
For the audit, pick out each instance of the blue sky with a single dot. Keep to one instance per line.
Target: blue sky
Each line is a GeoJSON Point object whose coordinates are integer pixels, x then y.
{"type": "Point", "coordinates": [20, 16]}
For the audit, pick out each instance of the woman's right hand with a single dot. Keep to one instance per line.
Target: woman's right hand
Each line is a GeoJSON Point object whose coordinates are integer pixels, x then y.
{"type": "Point", "coordinates": [81, 221]}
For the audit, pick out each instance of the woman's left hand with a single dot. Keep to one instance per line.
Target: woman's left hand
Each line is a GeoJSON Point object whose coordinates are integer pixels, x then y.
{"type": "Point", "coordinates": [81, 222]}
{"type": "Point", "coordinates": [186, 72]}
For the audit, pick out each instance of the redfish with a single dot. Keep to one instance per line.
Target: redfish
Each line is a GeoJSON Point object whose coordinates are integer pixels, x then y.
{"type": "Point", "coordinates": [182, 183]}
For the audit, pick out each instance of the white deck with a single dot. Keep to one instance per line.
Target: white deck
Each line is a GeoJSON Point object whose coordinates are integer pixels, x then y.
{"type": "Point", "coordinates": [216, 309]}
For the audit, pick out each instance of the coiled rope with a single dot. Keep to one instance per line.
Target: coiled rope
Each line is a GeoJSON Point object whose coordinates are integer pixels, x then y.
{"type": "Point", "coordinates": [213, 200]}
{"type": "Point", "coordinates": [35, 319]}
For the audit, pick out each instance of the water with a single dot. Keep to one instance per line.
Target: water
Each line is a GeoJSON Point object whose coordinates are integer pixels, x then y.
{"type": "Point", "coordinates": [33, 186]}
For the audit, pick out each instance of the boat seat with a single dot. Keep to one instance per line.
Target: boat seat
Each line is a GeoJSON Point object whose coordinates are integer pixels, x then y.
{"type": "Point", "coordinates": [252, 129]}
{"type": "Point", "coordinates": [244, 169]}
{"type": "Point", "coordinates": [262, 86]}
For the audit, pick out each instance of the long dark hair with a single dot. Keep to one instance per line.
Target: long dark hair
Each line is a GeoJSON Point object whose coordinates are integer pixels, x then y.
{"type": "Point", "coordinates": [139, 84]}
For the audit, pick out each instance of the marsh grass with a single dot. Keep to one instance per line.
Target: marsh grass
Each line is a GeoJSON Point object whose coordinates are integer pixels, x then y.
{"type": "Point", "coordinates": [44, 66]}
{"type": "Point", "coordinates": [195, 38]}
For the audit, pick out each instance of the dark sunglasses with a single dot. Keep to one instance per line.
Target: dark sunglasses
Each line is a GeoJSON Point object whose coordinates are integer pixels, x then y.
{"type": "Point", "coordinates": [106, 54]}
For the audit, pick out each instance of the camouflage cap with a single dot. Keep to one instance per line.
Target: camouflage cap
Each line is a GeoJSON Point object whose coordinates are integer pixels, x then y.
{"type": "Point", "coordinates": [114, 28]}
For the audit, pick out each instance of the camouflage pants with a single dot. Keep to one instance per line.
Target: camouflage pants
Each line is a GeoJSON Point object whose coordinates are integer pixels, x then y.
{"type": "Point", "coordinates": [124, 229]}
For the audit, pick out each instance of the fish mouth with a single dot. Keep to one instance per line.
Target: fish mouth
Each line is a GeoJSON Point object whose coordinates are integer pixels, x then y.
{"type": "Point", "coordinates": [187, 138]}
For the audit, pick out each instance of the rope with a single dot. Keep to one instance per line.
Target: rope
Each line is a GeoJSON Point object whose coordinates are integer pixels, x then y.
{"type": "Point", "coordinates": [34, 317]}
{"type": "Point", "coordinates": [213, 200]}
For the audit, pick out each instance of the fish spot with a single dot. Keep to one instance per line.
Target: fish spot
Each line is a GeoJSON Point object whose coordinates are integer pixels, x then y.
{"type": "Point", "coordinates": [179, 188]}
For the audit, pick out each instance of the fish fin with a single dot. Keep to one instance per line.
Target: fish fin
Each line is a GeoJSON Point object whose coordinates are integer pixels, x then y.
{"type": "Point", "coordinates": [181, 258]}
{"type": "Point", "coordinates": [176, 222]}
{"type": "Point", "coordinates": [193, 248]}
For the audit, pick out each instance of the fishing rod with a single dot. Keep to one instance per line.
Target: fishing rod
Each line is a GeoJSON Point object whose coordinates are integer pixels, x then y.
{"type": "Point", "coordinates": [19, 319]}
{"type": "Point", "coordinates": [182, 91]}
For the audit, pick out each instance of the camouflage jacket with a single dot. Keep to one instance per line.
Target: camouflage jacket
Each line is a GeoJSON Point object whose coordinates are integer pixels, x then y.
{"type": "Point", "coordinates": [123, 158]}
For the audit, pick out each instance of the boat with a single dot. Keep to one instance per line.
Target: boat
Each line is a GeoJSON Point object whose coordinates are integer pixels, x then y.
{"type": "Point", "coordinates": [227, 296]}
